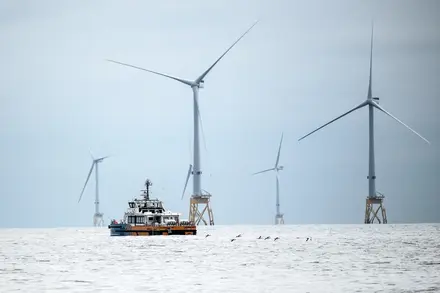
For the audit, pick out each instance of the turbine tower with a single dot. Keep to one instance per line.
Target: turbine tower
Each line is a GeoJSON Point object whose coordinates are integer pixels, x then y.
{"type": "Point", "coordinates": [199, 196]}
{"type": "Point", "coordinates": [98, 217]}
{"type": "Point", "coordinates": [279, 220]}
{"type": "Point", "coordinates": [374, 200]}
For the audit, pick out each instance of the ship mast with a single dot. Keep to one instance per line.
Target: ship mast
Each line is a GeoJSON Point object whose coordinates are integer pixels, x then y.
{"type": "Point", "coordinates": [148, 183]}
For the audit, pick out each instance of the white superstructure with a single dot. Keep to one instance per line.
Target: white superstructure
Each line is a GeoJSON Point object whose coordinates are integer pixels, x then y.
{"type": "Point", "coordinates": [146, 211]}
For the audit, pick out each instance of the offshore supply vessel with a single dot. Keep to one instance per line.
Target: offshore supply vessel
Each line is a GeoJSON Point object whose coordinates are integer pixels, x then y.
{"type": "Point", "coordinates": [146, 216]}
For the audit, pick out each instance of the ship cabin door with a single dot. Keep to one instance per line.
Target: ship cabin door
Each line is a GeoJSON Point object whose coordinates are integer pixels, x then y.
{"type": "Point", "coordinates": [157, 219]}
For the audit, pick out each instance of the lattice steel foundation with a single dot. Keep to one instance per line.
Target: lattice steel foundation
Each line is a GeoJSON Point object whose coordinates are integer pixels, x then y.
{"type": "Point", "coordinates": [195, 215]}
{"type": "Point", "coordinates": [374, 208]}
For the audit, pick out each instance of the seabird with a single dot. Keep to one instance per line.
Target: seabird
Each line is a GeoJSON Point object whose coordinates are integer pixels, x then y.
{"type": "Point", "coordinates": [268, 237]}
{"type": "Point", "coordinates": [232, 239]}
{"type": "Point", "coordinates": [259, 237]}
{"type": "Point", "coordinates": [276, 238]}
{"type": "Point", "coordinates": [207, 235]}
{"type": "Point", "coordinates": [239, 235]}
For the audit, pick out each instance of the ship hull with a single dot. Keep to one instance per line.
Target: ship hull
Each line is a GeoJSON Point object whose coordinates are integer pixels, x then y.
{"type": "Point", "coordinates": [129, 230]}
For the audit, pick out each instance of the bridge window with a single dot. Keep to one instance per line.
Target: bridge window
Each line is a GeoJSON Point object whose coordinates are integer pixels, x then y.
{"type": "Point", "coordinates": [131, 219]}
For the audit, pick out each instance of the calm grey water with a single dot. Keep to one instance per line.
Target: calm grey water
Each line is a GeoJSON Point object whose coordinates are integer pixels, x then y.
{"type": "Point", "coordinates": [340, 258]}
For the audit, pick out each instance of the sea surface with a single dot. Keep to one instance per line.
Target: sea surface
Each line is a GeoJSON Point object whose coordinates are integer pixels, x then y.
{"type": "Point", "coordinates": [338, 258]}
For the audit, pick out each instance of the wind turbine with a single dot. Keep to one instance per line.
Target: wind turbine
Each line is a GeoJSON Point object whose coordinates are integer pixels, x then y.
{"type": "Point", "coordinates": [98, 219]}
{"type": "Point", "coordinates": [371, 102]}
{"type": "Point", "coordinates": [195, 85]}
{"type": "Point", "coordinates": [278, 217]}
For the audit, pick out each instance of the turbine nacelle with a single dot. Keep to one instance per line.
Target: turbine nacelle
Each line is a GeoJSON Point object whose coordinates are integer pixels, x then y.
{"type": "Point", "coordinates": [100, 159]}
{"type": "Point", "coordinates": [197, 84]}
{"type": "Point", "coordinates": [280, 168]}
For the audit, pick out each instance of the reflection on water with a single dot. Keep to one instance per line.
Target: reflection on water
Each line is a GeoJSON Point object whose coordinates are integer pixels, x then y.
{"type": "Point", "coordinates": [339, 258]}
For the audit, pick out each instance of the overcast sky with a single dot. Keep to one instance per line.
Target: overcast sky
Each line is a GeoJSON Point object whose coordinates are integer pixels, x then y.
{"type": "Point", "coordinates": [302, 65]}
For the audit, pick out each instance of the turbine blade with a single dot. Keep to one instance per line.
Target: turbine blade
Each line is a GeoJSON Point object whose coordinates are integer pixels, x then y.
{"type": "Point", "coordinates": [93, 158]}
{"type": "Point", "coordinates": [370, 94]}
{"type": "Point", "coordinates": [267, 170]}
{"type": "Point", "coordinates": [201, 124]}
{"type": "Point", "coordinates": [154, 72]}
{"type": "Point", "coordinates": [101, 159]}
{"type": "Point", "coordinates": [187, 178]}
{"type": "Point", "coordinates": [201, 77]}
{"type": "Point", "coordinates": [87, 180]}
{"type": "Point", "coordinates": [395, 118]}
{"type": "Point", "coordinates": [279, 150]}
{"type": "Point", "coordinates": [354, 109]}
